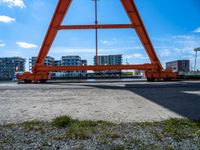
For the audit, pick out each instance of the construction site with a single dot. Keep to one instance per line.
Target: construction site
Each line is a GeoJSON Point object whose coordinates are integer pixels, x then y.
{"type": "Point", "coordinates": [158, 111]}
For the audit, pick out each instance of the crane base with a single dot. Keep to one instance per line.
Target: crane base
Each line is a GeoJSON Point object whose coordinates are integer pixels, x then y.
{"type": "Point", "coordinates": [165, 75]}
{"type": "Point", "coordinates": [42, 77]}
{"type": "Point", "coordinates": [29, 77]}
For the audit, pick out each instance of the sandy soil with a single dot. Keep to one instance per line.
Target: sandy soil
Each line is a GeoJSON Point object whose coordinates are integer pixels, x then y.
{"type": "Point", "coordinates": [117, 102]}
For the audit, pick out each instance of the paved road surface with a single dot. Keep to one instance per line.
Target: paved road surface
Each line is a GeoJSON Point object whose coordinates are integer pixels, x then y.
{"type": "Point", "coordinates": [117, 101]}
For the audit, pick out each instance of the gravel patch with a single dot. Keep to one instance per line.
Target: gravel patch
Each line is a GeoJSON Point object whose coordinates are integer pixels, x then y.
{"type": "Point", "coordinates": [170, 134]}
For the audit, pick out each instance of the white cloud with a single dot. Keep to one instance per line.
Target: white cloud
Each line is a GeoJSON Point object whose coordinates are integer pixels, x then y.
{"type": "Point", "coordinates": [136, 56]}
{"type": "Point", "coordinates": [197, 30]}
{"type": "Point", "coordinates": [182, 37]}
{"type": "Point", "coordinates": [13, 3]}
{"type": "Point", "coordinates": [2, 44]}
{"type": "Point", "coordinates": [165, 52]}
{"type": "Point", "coordinates": [6, 19]}
{"type": "Point", "coordinates": [26, 45]}
{"type": "Point", "coordinates": [89, 50]}
{"type": "Point", "coordinates": [177, 46]}
{"type": "Point", "coordinates": [104, 42]}
{"type": "Point", "coordinates": [71, 50]}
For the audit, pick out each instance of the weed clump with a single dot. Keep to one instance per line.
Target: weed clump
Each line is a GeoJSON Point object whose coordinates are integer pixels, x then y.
{"type": "Point", "coordinates": [33, 125]}
{"type": "Point", "coordinates": [62, 121]}
{"type": "Point", "coordinates": [180, 128]}
{"type": "Point", "coordinates": [81, 130]}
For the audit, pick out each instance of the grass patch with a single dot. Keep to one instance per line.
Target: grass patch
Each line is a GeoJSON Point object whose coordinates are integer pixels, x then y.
{"type": "Point", "coordinates": [169, 147]}
{"type": "Point", "coordinates": [62, 121]}
{"type": "Point", "coordinates": [83, 130]}
{"type": "Point", "coordinates": [6, 141]}
{"type": "Point", "coordinates": [158, 136]}
{"type": "Point", "coordinates": [10, 125]}
{"type": "Point", "coordinates": [146, 124]}
{"type": "Point", "coordinates": [181, 128]}
{"type": "Point", "coordinates": [181, 124]}
{"type": "Point", "coordinates": [108, 133]}
{"type": "Point", "coordinates": [112, 135]}
{"type": "Point", "coordinates": [78, 133]}
{"type": "Point", "coordinates": [91, 124]}
{"type": "Point", "coordinates": [33, 125]}
{"type": "Point", "coordinates": [197, 133]}
{"type": "Point", "coordinates": [85, 123]}
{"type": "Point", "coordinates": [78, 129]}
{"type": "Point", "coordinates": [135, 142]}
{"type": "Point", "coordinates": [120, 147]}
{"type": "Point", "coordinates": [138, 144]}
{"type": "Point", "coordinates": [59, 137]}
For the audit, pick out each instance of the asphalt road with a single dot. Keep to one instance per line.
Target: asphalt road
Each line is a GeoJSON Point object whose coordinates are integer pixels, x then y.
{"type": "Point", "coordinates": [112, 101]}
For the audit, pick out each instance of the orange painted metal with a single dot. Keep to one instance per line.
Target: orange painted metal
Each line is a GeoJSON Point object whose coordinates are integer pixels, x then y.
{"type": "Point", "coordinates": [152, 71]}
{"type": "Point", "coordinates": [28, 77]}
{"type": "Point", "coordinates": [151, 75]}
{"type": "Point", "coordinates": [96, 68]}
{"type": "Point", "coordinates": [99, 26]}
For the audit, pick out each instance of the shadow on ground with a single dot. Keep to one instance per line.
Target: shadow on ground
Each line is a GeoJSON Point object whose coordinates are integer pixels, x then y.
{"type": "Point", "coordinates": [181, 98]}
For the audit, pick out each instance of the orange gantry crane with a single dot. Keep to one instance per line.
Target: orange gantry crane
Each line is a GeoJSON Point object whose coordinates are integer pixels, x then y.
{"type": "Point", "coordinates": [152, 71]}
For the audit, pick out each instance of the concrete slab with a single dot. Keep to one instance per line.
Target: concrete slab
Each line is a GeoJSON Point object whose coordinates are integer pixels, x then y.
{"type": "Point", "coordinates": [115, 101]}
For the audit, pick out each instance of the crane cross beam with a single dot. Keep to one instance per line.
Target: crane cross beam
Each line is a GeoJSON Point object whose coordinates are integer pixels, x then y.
{"type": "Point", "coordinates": [99, 26]}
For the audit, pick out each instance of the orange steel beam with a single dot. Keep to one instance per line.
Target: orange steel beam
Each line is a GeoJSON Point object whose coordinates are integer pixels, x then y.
{"type": "Point", "coordinates": [59, 14]}
{"type": "Point", "coordinates": [100, 26]}
{"type": "Point", "coordinates": [136, 20]}
{"type": "Point", "coordinates": [96, 68]}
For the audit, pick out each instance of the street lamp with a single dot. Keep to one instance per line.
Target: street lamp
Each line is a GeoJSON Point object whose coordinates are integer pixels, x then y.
{"type": "Point", "coordinates": [196, 50]}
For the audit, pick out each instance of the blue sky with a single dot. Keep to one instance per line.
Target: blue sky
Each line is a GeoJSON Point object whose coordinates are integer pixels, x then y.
{"type": "Point", "coordinates": [173, 25]}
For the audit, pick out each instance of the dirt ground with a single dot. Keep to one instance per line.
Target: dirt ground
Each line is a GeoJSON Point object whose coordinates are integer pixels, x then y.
{"type": "Point", "coordinates": [111, 101]}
